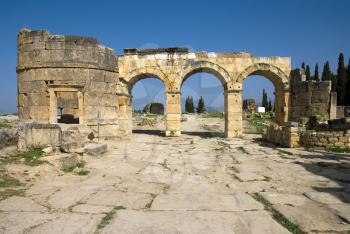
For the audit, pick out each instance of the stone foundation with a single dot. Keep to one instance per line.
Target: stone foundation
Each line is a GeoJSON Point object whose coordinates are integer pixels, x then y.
{"type": "Point", "coordinates": [32, 135]}
{"type": "Point", "coordinates": [286, 136]}
{"type": "Point", "coordinates": [325, 139]}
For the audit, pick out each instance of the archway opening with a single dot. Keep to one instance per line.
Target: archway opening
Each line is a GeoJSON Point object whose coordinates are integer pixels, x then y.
{"type": "Point", "coordinates": [198, 88]}
{"type": "Point", "coordinates": [258, 104]}
{"type": "Point", "coordinates": [67, 107]}
{"type": "Point", "coordinates": [148, 106]}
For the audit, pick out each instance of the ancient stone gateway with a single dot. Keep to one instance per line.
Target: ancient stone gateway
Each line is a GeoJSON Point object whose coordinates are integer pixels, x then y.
{"type": "Point", "coordinates": [51, 65]}
{"type": "Point", "coordinates": [174, 65]}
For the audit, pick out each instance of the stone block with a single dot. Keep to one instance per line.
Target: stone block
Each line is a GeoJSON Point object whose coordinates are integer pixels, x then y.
{"type": "Point", "coordinates": [95, 149]}
{"type": "Point", "coordinates": [31, 135]}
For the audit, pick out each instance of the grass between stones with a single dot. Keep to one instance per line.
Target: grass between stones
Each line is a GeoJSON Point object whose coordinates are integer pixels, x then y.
{"type": "Point", "coordinates": [80, 165]}
{"type": "Point", "coordinates": [108, 217]}
{"type": "Point", "coordinates": [5, 125]}
{"type": "Point", "coordinates": [11, 192]}
{"type": "Point", "coordinates": [149, 204]}
{"type": "Point", "coordinates": [280, 218]}
{"type": "Point", "coordinates": [31, 157]}
{"type": "Point", "coordinates": [340, 150]}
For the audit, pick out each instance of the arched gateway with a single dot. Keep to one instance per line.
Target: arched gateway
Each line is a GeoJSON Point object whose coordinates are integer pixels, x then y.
{"type": "Point", "coordinates": [174, 65]}
{"type": "Point", "coordinates": [54, 69]}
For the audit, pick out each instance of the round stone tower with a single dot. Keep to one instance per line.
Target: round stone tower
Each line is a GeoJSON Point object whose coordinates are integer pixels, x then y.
{"type": "Point", "coordinates": [67, 79]}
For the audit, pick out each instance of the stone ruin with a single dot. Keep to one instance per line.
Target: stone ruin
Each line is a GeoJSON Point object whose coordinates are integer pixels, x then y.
{"type": "Point", "coordinates": [65, 80]}
{"type": "Point", "coordinates": [154, 108]}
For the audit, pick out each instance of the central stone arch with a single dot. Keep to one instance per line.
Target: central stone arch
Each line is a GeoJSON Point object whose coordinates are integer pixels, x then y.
{"type": "Point", "coordinates": [208, 67]}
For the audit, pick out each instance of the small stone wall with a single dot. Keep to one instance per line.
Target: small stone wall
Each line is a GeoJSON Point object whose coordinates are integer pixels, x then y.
{"type": "Point", "coordinates": [286, 136]}
{"type": "Point", "coordinates": [31, 135]}
{"type": "Point", "coordinates": [309, 97]}
{"type": "Point", "coordinates": [325, 139]}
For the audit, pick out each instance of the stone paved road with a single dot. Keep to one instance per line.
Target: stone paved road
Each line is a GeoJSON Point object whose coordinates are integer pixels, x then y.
{"type": "Point", "coordinates": [189, 184]}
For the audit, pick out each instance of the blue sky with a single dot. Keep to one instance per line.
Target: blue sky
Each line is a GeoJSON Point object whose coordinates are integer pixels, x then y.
{"type": "Point", "coordinates": [312, 31]}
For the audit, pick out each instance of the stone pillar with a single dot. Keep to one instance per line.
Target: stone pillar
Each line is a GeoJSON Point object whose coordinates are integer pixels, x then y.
{"type": "Point", "coordinates": [173, 114]}
{"type": "Point", "coordinates": [233, 113]}
{"type": "Point", "coordinates": [125, 115]}
{"type": "Point", "coordinates": [333, 105]}
{"type": "Point", "coordinates": [53, 107]}
{"type": "Point", "coordinates": [282, 104]}
{"type": "Point", "coordinates": [81, 107]}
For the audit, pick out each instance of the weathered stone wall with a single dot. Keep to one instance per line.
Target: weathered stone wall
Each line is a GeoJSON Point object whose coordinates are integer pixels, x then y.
{"type": "Point", "coordinates": [343, 111]}
{"type": "Point", "coordinates": [309, 97]}
{"type": "Point", "coordinates": [325, 139]}
{"type": "Point", "coordinates": [48, 64]}
{"type": "Point", "coordinates": [32, 135]}
{"type": "Point", "coordinates": [286, 136]}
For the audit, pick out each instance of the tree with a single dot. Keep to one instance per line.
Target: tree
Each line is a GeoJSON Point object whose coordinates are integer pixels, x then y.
{"type": "Point", "coordinates": [269, 107]}
{"type": "Point", "coordinates": [189, 106]}
{"type": "Point", "coordinates": [307, 72]}
{"type": "Point", "coordinates": [264, 102]}
{"type": "Point", "coordinates": [316, 75]}
{"type": "Point", "coordinates": [201, 105]}
{"type": "Point", "coordinates": [303, 66]}
{"type": "Point", "coordinates": [326, 73]}
{"type": "Point", "coordinates": [341, 80]}
{"type": "Point", "coordinates": [347, 96]}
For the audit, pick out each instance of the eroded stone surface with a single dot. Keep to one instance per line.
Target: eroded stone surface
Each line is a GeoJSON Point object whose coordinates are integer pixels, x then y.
{"type": "Point", "coordinates": [193, 222]}
{"type": "Point", "coordinates": [158, 184]}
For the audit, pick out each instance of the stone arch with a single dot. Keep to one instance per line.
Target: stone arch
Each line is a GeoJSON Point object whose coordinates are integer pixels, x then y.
{"type": "Point", "coordinates": [208, 67]}
{"type": "Point", "coordinates": [271, 72]}
{"type": "Point", "coordinates": [146, 72]}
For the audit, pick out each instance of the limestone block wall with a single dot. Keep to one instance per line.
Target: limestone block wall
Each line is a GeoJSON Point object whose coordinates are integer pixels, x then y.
{"type": "Point", "coordinates": [286, 136]}
{"type": "Point", "coordinates": [31, 135]}
{"type": "Point", "coordinates": [310, 98]}
{"type": "Point", "coordinates": [325, 139]}
{"type": "Point", "coordinates": [48, 64]}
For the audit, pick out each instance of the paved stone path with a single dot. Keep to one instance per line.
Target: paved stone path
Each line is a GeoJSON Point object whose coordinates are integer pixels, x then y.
{"type": "Point", "coordinates": [189, 184]}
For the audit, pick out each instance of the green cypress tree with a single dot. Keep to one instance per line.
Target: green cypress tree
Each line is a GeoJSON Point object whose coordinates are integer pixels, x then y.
{"type": "Point", "coordinates": [347, 96]}
{"type": "Point", "coordinates": [307, 72]}
{"type": "Point", "coordinates": [334, 82]}
{"type": "Point", "coordinates": [187, 106]}
{"type": "Point", "coordinates": [303, 66]}
{"type": "Point", "coordinates": [316, 75]}
{"type": "Point", "coordinates": [341, 80]}
{"type": "Point", "coordinates": [326, 73]}
{"type": "Point", "coordinates": [269, 107]}
{"type": "Point", "coordinates": [191, 105]}
{"type": "Point", "coordinates": [201, 105]}
{"type": "Point", "coordinates": [264, 101]}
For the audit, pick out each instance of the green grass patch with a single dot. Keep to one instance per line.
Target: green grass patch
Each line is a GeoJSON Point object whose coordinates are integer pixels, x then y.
{"type": "Point", "coordinates": [339, 150]}
{"type": "Point", "coordinates": [5, 125]}
{"type": "Point", "coordinates": [280, 218]}
{"type": "Point", "coordinates": [71, 168]}
{"type": "Point", "coordinates": [108, 217]}
{"type": "Point", "coordinates": [32, 157]}
{"type": "Point", "coordinates": [213, 115]}
{"type": "Point", "coordinates": [11, 192]}
{"type": "Point", "coordinates": [83, 172]}
{"type": "Point", "coordinates": [8, 181]}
